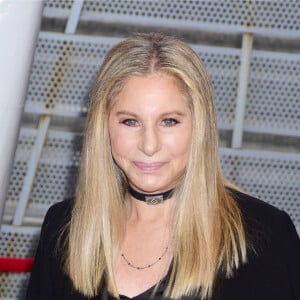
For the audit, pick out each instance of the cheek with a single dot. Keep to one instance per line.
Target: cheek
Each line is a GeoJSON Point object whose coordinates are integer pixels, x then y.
{"type": "Point", "coordinates": [179, 146]}
{"type": "Point", "coordinates": [120, 146]}
{"type": "Point", "coordinates": [114, 139]}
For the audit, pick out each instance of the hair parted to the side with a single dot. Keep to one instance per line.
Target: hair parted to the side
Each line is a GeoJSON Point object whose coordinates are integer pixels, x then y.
{"type": "Point", "coordinates": [207, 226]}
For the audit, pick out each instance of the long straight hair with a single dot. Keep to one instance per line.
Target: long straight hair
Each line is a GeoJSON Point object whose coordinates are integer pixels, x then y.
{"type": "Point", "coordinates": [208, 229]}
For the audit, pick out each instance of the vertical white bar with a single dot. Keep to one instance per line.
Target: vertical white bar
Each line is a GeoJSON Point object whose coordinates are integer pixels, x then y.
{"type": "Point", "coordinates": [237, 135]}
{"type": "Point", "coordinates": [74, 16]}
{"type": "Point", "coordinates": [42, 131]}
{"type": "Point", "coordinates": [19, 27]}
{"type": "Point", "coordinates": [31, 169]}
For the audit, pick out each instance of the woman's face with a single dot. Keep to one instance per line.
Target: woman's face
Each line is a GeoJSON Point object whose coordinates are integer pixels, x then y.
{"type": "Point", "coordinates": [150, 127]}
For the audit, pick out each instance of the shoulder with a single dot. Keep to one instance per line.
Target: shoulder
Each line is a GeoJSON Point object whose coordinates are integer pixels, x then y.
{"type": "Point", "coordinates": [59, 210]}
{"type": "Point", "coordinates": [265, 224]}
{"type": "Point", "coordinates": [56, 220]}
{"type": "Point", "coordinates": [272, 270]}
{"type": "Point", "coordinates": [255, 209]}
{"type": "Point", "coordinates": [48, 279]}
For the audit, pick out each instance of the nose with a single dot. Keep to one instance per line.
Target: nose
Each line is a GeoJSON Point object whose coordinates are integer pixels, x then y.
{"type": "Point", "coordinates": [150, 141]}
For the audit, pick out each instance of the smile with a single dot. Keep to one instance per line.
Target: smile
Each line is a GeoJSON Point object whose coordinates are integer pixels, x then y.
{"type": "Point", "coordinates": [148, 167]}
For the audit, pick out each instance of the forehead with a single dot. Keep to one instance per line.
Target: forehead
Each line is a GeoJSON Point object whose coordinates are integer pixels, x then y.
{"type": "Point", "coordinates": [154, 88]}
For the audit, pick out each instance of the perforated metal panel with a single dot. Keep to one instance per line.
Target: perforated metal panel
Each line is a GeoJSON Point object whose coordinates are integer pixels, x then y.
{"type": "Point", "coordinates": [18, 173]}
{"type": "Point", "coordinates": [57, 8]}
{"type": "Point", "coordinates": [271, 176]}
{"type": "Point", "coordinates": [271, 17]}
{"type": "Point", "coordinates": [223, 67]}
{"type": "Point", "coordinates": [260, 16]}
{"type": "Point", "coordinates": [18, 242]}
{"type": "Point", "coordinates": [273, 100]}
{"type": "Point", "coordinates": [63, 72]}
{"type": "Point", "coordinates": [65, 67]}
{"type": "Point", "coordinates": [13, 286]}
{"type": "Point", "coordinates": [56, 174]}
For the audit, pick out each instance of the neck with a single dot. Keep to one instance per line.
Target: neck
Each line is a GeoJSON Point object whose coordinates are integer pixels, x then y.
{"type": "Point", "coordinates": [150, 199]}
{"type": "Point", "coordinates": [139, 211]}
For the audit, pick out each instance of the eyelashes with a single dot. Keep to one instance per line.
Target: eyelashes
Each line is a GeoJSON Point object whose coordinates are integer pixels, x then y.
{"type": "Point", "coordinates": [169, 122]}
{"type": "Point", "coordinates": [130, 122]}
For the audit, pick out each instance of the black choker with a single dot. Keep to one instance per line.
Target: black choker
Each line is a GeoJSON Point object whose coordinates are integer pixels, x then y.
{"type": "Point", "coordinates": [151, 199]}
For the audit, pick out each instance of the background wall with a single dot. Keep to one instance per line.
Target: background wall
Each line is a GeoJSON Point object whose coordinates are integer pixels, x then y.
{"type": "Point", "coordinates": [251, 49]}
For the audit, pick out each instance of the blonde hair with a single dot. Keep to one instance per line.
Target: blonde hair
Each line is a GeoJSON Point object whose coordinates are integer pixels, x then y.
{"type": "Point", "coordinates": [208, 228]}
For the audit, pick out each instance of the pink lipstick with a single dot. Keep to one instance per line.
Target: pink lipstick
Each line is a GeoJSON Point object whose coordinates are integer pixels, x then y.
{"type": "Point", "coordinates": [148, 167]}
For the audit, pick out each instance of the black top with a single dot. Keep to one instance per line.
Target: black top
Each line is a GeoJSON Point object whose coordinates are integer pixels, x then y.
{"type": "Point", "coordinates": [271, 274]}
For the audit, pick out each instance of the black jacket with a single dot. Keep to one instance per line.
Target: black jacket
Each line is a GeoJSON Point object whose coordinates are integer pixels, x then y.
{"type": "Point", "coordinates": [273, 273]}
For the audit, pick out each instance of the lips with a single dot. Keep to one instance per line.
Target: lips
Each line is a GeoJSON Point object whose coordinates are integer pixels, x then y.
{"type": "Point", "coordinates": [148, 167]}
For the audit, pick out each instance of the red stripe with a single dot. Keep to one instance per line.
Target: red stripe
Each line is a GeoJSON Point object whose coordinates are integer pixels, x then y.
{"type": "Point", "coordinates": [16, 265]}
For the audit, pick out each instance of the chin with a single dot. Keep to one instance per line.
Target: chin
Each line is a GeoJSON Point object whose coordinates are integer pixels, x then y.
{"type": "Point", "coordinates": [151, 188]}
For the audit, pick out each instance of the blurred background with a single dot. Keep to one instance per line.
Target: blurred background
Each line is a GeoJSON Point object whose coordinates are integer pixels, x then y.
{"type": "Point", "coordinates": [251, 50]}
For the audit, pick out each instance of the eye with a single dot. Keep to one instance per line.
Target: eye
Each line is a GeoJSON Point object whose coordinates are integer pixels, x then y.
{"type": "Point", "coordinates": [170, 122]}
{"type": "Point", "coordinates": [130, 122]}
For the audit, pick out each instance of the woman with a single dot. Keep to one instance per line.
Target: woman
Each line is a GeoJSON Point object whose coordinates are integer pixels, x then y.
{"type": "Point", "coordinates": [153, 217]}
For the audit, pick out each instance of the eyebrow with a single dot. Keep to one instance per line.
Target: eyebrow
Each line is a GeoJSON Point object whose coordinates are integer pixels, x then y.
{"type": "Point", "coordinates": [128, 113]}
{"type": "Point", "coordinates": [125, 112]}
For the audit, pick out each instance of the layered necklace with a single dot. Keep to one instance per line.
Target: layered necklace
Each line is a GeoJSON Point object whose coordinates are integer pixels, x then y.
{"type": "Point", "coordinates": [150, 199]}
